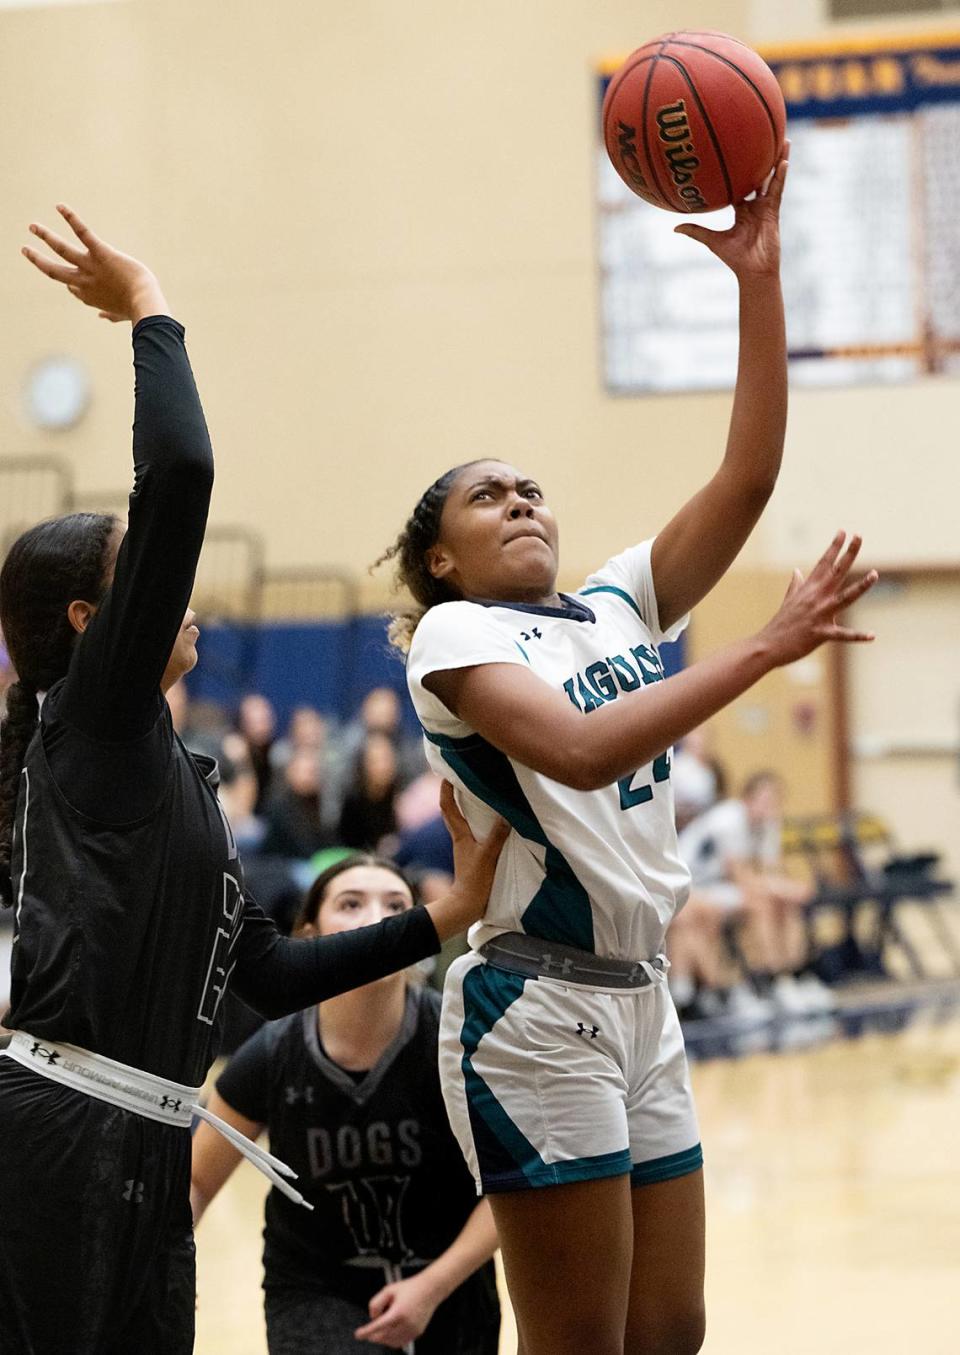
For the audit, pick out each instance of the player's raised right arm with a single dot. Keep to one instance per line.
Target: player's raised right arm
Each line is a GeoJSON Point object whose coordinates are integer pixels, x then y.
{"type": "Point", "coordinates": [525, 718]}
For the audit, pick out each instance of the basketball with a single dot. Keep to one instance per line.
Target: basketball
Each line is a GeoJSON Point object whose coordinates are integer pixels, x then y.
{"type": "Point", "coordinates": [693, 121]}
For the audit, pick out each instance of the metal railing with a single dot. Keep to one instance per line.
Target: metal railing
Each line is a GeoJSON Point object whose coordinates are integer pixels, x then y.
{"type": "Point", "coordinates": [234, 588]}
{"type": "Point", "coordinates": [31, 488]}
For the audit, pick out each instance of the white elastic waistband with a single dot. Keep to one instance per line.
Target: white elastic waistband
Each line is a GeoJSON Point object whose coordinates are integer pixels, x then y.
{"type": "Point", "coordinates": [132, 1089]}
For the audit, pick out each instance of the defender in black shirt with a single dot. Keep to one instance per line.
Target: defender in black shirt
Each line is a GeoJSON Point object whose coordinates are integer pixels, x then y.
{"type": "Point", "coordinates": [129, 910]}
{"type": "Point", "coordinates": [396, 1251]}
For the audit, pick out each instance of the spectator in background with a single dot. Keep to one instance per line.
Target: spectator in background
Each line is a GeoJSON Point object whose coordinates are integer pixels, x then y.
{"type": "Point", "coordinates": [306, 732]}
{"type": "Point", "coordinates": [368, 813]}
{"type": "Point", "coordinates": [238, 795]}
{"type": "Point", "coordinates": [7, 675]}
{"type": "Point", "coordinates": [698, 779]}
{"type": "Point", "coordinates": [419, 803]}
{"type": "Point", "coordinates": [733, 851]}
{"type": "Point", "coordinates": [201, 725]}
{"type": "Point", "coordinates": [257, 722]}
{"type": "Point", "coordinates": [294, 814]}
{"type": "Point", "coordinates": [381, 713]}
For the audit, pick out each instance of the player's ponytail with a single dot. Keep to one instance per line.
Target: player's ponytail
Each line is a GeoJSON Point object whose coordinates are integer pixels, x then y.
{"type": "Point", "coordinates": [47, 568]}
{"type": "Point", "coordinates": [421, 531]}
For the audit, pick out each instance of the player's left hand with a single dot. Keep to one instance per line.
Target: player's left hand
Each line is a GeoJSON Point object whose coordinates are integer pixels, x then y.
{"type": "Point", "coordinates": [400, 1313]}
{"type": "Point", "coordinates": [751, 247]}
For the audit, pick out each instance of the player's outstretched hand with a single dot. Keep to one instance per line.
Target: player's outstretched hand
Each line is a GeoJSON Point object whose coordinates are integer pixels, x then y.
{"type": "Point", "coordinates": [116, 285]}
{"type": "Point", "coordinates": [808, 614]}
{"type": "Point", "coordinates": [474, 864]}
{"type": "Point", "coordinates": [751, 247]}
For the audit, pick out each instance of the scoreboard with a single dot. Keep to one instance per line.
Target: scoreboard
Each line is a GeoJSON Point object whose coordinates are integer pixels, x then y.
{"type": "Point", "coordinates": [870, 230]}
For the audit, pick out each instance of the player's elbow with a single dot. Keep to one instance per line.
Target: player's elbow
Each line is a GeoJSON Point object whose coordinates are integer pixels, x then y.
{"type": "Point", "coordinates": [581, 767]}
{"type": "Point", "coordinates": [760, 489]}
{"type": "Point", "coordinates": [191, 466]}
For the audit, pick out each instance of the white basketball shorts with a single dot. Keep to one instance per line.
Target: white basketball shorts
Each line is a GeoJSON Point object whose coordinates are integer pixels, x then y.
{"type": "Point", "coordinates": [547, 1083]}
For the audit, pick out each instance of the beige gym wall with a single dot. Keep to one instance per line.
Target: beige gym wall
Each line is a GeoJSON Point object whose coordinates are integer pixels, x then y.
{"type": "Point", "coordinates": [377, 222]}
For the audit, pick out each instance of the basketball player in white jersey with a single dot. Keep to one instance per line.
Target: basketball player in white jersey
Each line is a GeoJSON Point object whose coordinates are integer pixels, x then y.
{"type": "Point", "coordinates": [561, 1053]}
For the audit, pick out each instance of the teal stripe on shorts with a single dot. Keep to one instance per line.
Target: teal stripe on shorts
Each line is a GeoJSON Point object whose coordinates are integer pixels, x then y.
{"type": "Point", "coordinates": [667, 1168]}
{"type": "Point", "coordinates": [506, 1158]}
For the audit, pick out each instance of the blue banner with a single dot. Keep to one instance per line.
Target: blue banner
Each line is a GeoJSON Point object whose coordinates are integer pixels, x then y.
{"type": "Point", "coordinates": [848, 79]}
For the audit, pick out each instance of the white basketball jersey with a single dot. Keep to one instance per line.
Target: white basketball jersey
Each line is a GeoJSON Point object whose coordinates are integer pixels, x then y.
{"type": "Point", "coordinates": [595, 869]}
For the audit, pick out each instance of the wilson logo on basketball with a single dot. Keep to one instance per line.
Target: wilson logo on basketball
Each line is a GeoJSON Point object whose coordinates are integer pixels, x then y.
{"type": "Point", "coordinates": [682, 162]}
{"type": "Point", "coordinates": [626, 144]}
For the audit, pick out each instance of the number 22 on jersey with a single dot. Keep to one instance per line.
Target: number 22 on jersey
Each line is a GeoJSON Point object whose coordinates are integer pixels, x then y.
{"type": "Point", "coordinates": [631, 796]}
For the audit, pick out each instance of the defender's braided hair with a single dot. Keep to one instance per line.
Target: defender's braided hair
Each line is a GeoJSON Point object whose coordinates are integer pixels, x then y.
{"type": "Point", "coordinates": [47, 568]}
{"type": "Point", "coordinates": [421, 531]}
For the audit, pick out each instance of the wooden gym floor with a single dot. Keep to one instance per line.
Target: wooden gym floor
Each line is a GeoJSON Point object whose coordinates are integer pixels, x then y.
{"type": "Point", "coordinates": [833, 1194]}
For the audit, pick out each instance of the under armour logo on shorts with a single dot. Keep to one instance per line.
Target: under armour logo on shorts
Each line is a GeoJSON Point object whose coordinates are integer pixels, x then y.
{"type": "Point", "coordinates": [133, 1192]}
{"type": "Point", "coordinates": [168, 1103]}
{"type": "Point", "coordinates": [40, 1052]}
{"type": "Point", "coordinates": [593, 1031]}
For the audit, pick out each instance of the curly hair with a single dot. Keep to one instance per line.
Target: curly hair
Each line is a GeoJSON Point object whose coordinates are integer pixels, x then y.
{"type": "Point", "coordinates": [47, 568]}
{"type": "Point", "coordinates": [420, 532]}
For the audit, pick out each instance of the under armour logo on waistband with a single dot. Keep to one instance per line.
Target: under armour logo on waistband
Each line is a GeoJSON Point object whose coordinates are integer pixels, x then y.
{"type": "Point", "coordinates": [39, 1051]}
{"type": "Point", "coordinates": [168, 1103]}
{"type": "Point", "coordinates": [549, 965]}
{"type": "Point", "coordinates": [593, 1032]}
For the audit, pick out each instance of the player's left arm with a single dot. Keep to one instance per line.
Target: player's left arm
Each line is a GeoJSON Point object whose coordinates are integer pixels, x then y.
{"type": "Point", "coordinates": [276, 974]}
{"type": "Point", "coordinates": [401, 1312]}
{"type": "Point", "coordinates": [696, 548]}
{"type": "Point", "coordinates": [214, 1158]}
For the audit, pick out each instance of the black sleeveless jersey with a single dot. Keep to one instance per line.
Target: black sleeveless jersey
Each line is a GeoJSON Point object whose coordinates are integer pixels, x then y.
{"type": "Point", "coordinates": [375, 1157]}
{"type": "Point", "coordinates": [129, 911]}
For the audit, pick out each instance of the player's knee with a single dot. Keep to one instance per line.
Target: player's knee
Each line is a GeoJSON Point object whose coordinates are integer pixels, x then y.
{"type": "Point", "coordinates": [679, 1332]}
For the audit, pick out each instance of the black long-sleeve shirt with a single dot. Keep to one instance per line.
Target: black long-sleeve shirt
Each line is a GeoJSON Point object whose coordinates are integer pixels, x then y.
{"type": "Point", "coordinates": [129, 908]}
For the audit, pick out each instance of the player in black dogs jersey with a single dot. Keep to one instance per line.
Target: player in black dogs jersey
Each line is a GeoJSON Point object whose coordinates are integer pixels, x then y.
{"type": "Point", "coordinates": [397, 1251]}
{"type": "Point", "coordinates": [129, 910]}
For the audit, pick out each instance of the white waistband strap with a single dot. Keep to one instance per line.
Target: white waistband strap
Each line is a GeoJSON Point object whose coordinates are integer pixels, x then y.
{"type": "Point", "coordinates": [147, 1095]}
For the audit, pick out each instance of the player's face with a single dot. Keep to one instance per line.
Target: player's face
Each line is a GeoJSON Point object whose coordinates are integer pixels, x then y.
{"type": "Point", "coordinates": [359, 897]}
{"type": "Point", "coordinates": [766, 803]}
{"type": "Point", "coordinates": [183, 656]}
{"type": "Point", "coordinates": [498, 539]}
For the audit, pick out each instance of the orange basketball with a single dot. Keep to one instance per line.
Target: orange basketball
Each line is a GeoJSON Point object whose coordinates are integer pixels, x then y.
{"type": "Point", "coordinates": [694, 121]}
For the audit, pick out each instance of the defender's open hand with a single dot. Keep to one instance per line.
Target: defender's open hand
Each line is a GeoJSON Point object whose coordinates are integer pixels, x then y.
{"type": "Point", "coordinates": [118, 286]}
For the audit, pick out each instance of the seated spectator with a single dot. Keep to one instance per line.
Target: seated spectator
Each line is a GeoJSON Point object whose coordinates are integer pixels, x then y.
{"type": "Point", "coordinates": [368, 813]}
{"type": "Point", "coordinates": [7, 676]}
{"type": "Point", "coordinates": [238, 794]}
{"type": "Point", "coordinates": [733, 851]}
{"type": "Point", "coordinates": [201, 725]}
{"type": "Point", "coordinates": [697, 778]}
{"type": "Point", "coordinates": [306, 732]}
{"type": "Point", "coordinates": [381, 713]}
{"type": "Point", "coordinates": [419, 803]}
{"type": "Point", "coordinates": [257, 723]}
{"type": "Point", "coordinates": [294, 814]}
